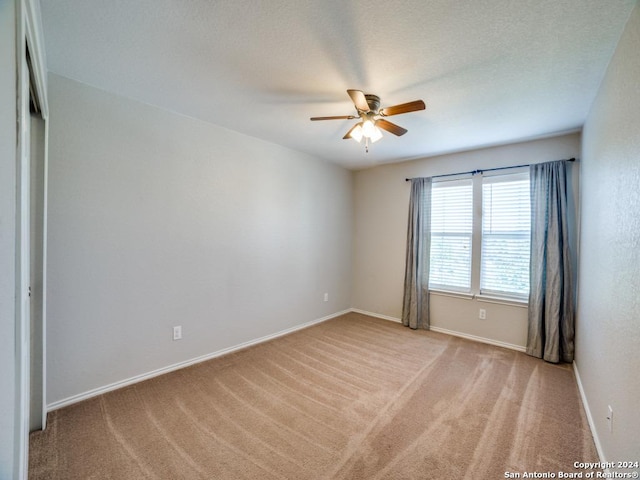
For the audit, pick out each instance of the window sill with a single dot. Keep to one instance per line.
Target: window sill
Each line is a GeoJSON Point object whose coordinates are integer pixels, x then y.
{"type": "Point", "coordinates": [449, 293]}
{"type": "Point", "coordinates": [513, 302]}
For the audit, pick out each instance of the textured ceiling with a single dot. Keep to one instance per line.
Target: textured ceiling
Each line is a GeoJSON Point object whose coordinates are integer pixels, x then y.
{"type": "Point", "coordinates": [490, 72]}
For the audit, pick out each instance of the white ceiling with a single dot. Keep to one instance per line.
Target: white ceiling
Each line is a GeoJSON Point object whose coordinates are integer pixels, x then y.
{"type": "Point", "coordinates": [490, 71]}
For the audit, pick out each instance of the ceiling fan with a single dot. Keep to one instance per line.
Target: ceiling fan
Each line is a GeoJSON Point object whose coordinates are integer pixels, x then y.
{"type": "Point", "coordinates": [372, 117]}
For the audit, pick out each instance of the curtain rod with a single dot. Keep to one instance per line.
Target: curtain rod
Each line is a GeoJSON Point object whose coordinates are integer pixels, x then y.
{"type": "Point", "coordinates": [474, 172]}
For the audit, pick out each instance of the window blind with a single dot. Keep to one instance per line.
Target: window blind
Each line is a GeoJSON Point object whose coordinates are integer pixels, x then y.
{"type": "Point", "coordinates": [451, 232]}
{"type": "Point", "coordinates": [506, 227]}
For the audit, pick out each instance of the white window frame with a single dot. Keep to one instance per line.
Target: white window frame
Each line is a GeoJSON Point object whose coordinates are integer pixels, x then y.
{"type": "Point", "coordinates": [453, 181]}
{"type": "Point", "coordinates": [476, 244]}
{"type": "Point", "coordinates": [510, 175]}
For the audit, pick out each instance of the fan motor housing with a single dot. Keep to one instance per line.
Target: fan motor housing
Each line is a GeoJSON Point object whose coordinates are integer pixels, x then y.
{"type": "Point", "coordinates": [373, 101]}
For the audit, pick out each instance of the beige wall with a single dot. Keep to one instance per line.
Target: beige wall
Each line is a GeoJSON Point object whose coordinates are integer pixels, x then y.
{"type": "Point", "coordinates": [381, 199]}
{"type": "Point", "coordinates": [608, 317]}
{"type": "Point", "coordinates": [159, 220]}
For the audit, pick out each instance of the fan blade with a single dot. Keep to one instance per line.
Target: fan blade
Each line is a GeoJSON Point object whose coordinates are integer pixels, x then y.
{"type": "Point", "coordinates": [359, 100]}
{"type": "Point", "coordinates": [403, 108]}
{"type": "Point", "coordinates": [390, 127]}
{"type": "Point", "coordinates": [348, 134]}
{"type": "Point", "coordinates": [340, 117]}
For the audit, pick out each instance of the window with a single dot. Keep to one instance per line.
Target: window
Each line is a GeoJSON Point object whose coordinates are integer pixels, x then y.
{"type": "Point", "coordinates": [451, 235]}
{"type": "Point", "coordinates": [480, 234]}
{"type": "Point", "coordinates": [506, 227]}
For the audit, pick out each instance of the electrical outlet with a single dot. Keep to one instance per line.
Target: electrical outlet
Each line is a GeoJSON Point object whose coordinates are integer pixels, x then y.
{"type": "Point", "coordinates": [326, 297]}
{"type": "Point", "coordinates": [610, 418]}
{"type": "Point", "coordinates": [177, 332]}
{"type": "Point", "coordinates": [483, 314]}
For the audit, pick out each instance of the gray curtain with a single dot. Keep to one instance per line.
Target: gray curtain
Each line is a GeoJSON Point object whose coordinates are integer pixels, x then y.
{"type": "Point", "coordinates": [551, 309]}
{"type": "Point", "coordinates": [415, 308]}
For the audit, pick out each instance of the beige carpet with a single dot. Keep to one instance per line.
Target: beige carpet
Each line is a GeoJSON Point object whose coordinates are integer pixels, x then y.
{"type": "Point", "coordinates": [351, 398]}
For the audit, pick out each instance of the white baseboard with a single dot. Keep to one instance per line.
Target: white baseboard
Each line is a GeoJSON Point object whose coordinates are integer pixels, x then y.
{"type": "Point", "coordinates": [376, 315]}
{"type": "Point", "coordinates": [592, 425]}
{"type": "Point", "coordinates": [177, 366]}
{"type": "Point", "coordinates": [475, 338]}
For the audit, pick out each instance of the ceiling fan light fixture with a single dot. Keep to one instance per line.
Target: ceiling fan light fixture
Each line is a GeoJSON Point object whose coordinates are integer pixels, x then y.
{"type": "Point", "coordinates": [357, 133]}
{"type": "Point", "coordinates": [376, 135]}
{"type": "Point", "coordinates": [372, 117]}
{"type": "Point", "coordinates": [368, 128]}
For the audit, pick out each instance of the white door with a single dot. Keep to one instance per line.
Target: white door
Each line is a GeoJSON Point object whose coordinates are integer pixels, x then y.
{"type": "Point", "coordinates": [23, 253]}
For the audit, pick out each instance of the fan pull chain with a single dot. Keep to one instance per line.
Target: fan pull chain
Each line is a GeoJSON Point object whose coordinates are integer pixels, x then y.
{"type": "Point", "coordinates": [366, 145]}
